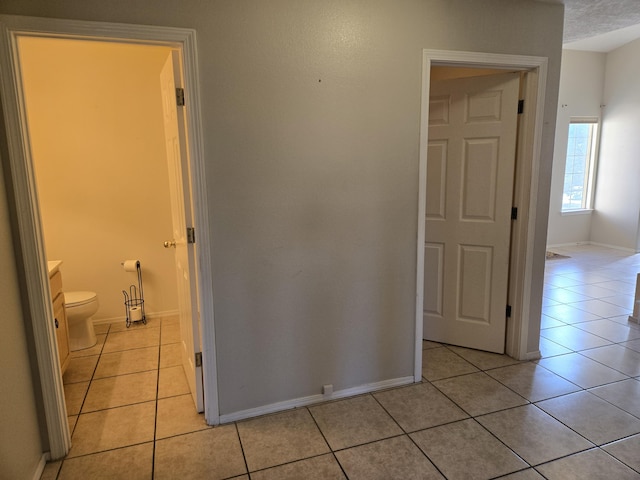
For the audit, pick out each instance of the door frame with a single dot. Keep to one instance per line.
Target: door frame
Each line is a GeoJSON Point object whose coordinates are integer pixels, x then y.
{"type": "Point", "coordinates": [529, 140]}
{"type": "Point", "coordinates": [21, 186]}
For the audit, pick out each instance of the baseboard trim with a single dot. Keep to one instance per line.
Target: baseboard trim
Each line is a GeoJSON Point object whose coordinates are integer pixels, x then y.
{"type": "Point", "coordinates": [312, 399]}
{"type": "Point", "coordinates": [597, 244]}
{"type": "Point", "coordinates": [614, 247]}
{"type": "Point", "coordinates": [570, 244]}
{"type": "Point", "coordinates": [40, 467]}
{"type": "Point", "coordinates": [104, 321]}
{"type": "Point", "coordinates": [535, 355]}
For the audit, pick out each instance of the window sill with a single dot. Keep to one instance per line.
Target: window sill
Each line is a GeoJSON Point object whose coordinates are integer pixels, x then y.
{"type": "Point", "coordinates": [586, 211]}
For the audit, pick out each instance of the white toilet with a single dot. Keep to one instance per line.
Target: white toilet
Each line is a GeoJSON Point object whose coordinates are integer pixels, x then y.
{"type": "Point", "coordinates": [80, 306]}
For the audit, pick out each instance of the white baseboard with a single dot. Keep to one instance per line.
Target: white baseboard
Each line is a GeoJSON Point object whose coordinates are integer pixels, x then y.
{"type": "Point", "coordinates": [570, 244]}
{"type": "Point", "coordinates": [103, 321]}
{"type": "Point", "coordinates": [40, 467]}
{"type": "Point", "coordinates": [614, 247]}
{"type": "Point", "coordinates": [597, 244]}
{"type": "Point", "coordinates": [535, 355]}
{"type": "Point", "coordinates": [312, 399]}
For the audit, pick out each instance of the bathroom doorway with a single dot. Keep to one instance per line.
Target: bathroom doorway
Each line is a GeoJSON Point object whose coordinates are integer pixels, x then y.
{"type": "Point", "coordinates": [109, 174]}
{"type": "Point", "coordinates": [179, 45]}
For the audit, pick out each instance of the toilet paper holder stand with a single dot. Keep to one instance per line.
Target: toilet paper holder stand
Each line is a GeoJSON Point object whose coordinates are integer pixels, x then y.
{"type": "Point", "coordinates": [134, 300]}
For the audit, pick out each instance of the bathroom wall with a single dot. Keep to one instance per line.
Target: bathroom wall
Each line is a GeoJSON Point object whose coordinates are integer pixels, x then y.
{"type": "Point", "coordinates": [97, 135]}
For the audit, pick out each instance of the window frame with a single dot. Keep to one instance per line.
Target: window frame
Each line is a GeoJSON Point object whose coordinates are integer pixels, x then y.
{"type": "Point", "coordinates": [592, 164]}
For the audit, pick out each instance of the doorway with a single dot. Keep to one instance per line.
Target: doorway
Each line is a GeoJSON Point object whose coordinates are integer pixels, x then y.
{"type": "Point", "coordinates": [24, 189]}
{"type": "Point", "coordinates": [470, 171]}
{"type": "Point", "coordinates": [97, 144]}
{"type": "Point", "coordinates": [108, 187]}
{"type": "Point", "coordinates": [525, 187]}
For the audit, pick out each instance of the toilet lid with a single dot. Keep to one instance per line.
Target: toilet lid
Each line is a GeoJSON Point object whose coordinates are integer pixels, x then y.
{"type": "Point", "coordinates": [78, 298]}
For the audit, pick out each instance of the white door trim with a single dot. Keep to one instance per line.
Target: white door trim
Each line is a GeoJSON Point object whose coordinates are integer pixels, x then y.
{"type": "Point", "coordinates": [32, 259]}
{"type": "Point", "coordinates": [525, 193]}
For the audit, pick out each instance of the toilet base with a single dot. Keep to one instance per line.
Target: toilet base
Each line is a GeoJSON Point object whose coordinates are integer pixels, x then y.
{"type": "Point", "coordinates": [82, 335]}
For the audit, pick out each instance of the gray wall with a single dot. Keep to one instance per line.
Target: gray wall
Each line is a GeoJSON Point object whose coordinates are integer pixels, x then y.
{"type": "Point", "coordinates": [311, 118]}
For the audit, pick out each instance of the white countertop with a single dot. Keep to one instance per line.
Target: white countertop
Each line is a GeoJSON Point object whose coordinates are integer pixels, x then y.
{"type": "Point", "coordinates": [54, 266]}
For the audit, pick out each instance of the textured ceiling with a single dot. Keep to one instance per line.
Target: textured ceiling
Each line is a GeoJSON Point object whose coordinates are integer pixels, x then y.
{"type": "Point", "coordinates": [599, 25]}
{"type": "Point", "coordinates": [589, 18]}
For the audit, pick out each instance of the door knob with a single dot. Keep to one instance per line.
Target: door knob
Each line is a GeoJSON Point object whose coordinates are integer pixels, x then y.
{"type": "Point", "coordinates": [170, 244]}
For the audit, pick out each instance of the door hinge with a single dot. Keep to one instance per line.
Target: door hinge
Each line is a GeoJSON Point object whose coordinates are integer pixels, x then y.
{"type": "Point", "coordinates": [508, 311]}
{"type": "Point", "coordinates": [514, 213]}
{"type": "Point", "coordinates": [520, 106]}
{"type": "Point", "coordinates": [191, 235]}
{"type": "Point", "coordinates": [180, 96]}
{"type": "Point", "coordinates": [198, 359]}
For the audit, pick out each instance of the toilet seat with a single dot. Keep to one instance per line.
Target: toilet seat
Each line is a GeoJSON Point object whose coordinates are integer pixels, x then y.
{"type": "Point", "coordinates": [75, 299]}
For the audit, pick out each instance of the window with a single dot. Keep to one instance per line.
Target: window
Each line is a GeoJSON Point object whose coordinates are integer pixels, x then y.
{"type": "Point", "coordinates": [580, 164]}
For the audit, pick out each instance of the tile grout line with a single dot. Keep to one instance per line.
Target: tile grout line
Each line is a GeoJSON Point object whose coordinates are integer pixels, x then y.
{"type": "Point", "coordinates": [155, 420]}
{"type": "Point", "coordinates": [474, 418]}
{"type": "Point", "coordinates": [587, 390]}
{"type": "Point", "coordinates": [516, 472]}
{"type": "Point", "coordinates": [578, 433]}
{"type": "Point", "coordinates": [610, 403]}
{"type": "Point", "coordinates": [119, 406]}
{"type": "Point", "coordinates": [580, 387]}
{"type": "Point", "coordinates": [83, 400]}
{"type": "Point", "coordinates": [244, 457]}
{"type": "Point", "coordinates": [86, 393]}
{"type": "Point", "coordinates": [91, 380]}
{"type": "Point", "coordinates": [408, 434]}
{"type": "Point", "coordinates": [533, 404]}
{"type": "Point", "coordinates": [333, 453]}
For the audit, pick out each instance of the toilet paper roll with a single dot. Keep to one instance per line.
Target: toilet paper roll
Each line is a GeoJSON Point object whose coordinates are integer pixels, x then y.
{"type": "Point", "coordinates": [135, 314]}
{"type": "Point", "coordinates": [130, 265]}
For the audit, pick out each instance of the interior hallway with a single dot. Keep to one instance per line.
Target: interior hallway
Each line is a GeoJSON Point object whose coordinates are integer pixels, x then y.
{"type": "Point", "coordinates": [573, 414]}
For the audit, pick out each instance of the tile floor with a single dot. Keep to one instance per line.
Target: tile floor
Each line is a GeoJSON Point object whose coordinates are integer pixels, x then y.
{"type": "Point", "coordinates": [575, 413]}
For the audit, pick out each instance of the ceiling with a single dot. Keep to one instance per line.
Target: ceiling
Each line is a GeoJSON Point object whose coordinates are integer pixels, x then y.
{"type": "Point", "coordinates": [600, 25]}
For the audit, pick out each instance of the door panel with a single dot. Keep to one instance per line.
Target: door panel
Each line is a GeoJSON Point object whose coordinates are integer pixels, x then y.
{"type": "Point", "coordinates": [474, 282]}
{"type": "Point", "coordinates": [479, 171]}
{"type": "Point", "coordinates": [437, 173]}
{"type": "Point", "coordinates": [470, 175]}
{"type": "Point", "coordinates": [184, 251]}
{"type": "Point", "coordinates": [434, 263]}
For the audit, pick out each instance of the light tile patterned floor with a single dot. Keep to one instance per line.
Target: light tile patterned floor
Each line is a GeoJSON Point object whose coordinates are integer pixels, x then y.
{"type": "Point", "coordinates": [575, 413]}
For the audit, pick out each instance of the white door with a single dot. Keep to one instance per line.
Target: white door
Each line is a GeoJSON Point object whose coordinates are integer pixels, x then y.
{"type": "Point", "coordinates": [470, 177]}
{"type": "Point", "coordinates": [174, 127]}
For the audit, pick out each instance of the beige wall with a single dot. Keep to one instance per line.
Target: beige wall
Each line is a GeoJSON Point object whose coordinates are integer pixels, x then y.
{"type": "Point", "coordinates": [97, 136]}
{"type": "Point", "coordinates": [311, 114]}
{"type": "Point", "coordinates": [581, 89]}
{"type": "Point", "coordinates": [587, 81]}
{"type": "Point", "coordinates": [20, 445]}
{"type": "Point", "coordinates": [616, 221]}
